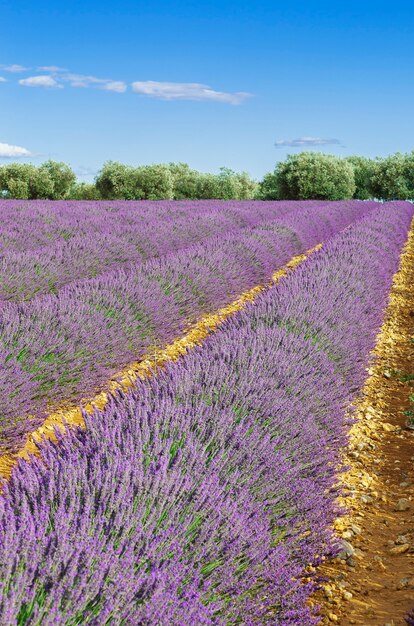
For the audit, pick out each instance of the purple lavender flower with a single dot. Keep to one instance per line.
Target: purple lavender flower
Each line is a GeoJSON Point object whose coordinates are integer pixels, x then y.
{"type": "Point", "coordinates": [201, 495]}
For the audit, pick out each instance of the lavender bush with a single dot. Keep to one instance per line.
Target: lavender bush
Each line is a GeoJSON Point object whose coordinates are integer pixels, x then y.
{"type": "Point", "coordinates": [63, 347]}
{"type": "Point", "coordinates": [201, 495]}
{"type": "Point", "coordinates": [46, 245]}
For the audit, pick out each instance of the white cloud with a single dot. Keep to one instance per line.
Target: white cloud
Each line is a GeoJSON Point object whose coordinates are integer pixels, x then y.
{"type": "Point", "coordinates": [186, 91]}
{"type": "Point", "coordinates": [153, 89]}
{"type": "Point", "coordinates": [115, 85]}
{"type": "Point", "coordinates": [82, 80]}
{"type": "Point", "coordinates": [306, 141]}
{"type": "Point", "coordinates": [2, 79]}
{"type": "Point", "coordinates": [50, 68]}
{"type": "Point", "coordinates": [39, 81]}
{"type": "Point", "coordinates": [8, 151]}
{"type": "Point", "coordinates": [14, 68]}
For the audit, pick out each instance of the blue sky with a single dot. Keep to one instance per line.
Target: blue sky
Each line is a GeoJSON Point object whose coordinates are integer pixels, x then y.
{"type": "Point", "coordinates": [209, 83]}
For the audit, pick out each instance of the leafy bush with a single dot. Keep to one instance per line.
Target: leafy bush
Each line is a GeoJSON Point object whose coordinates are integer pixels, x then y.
{"type": "Point", "coordinates": [311, 175]}
{"type": "Point", "coordinates": [393, 177]}
{"type": "Point", "coordinates": [25, 181]}
{"type": "Point", "coordinates": [363, 172]}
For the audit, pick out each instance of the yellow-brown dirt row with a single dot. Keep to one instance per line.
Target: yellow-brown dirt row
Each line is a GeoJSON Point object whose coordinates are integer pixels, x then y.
{"type": "Point", "coordinates": [373, 581]}
{"type": "Point", "coordinates": [197, 333]}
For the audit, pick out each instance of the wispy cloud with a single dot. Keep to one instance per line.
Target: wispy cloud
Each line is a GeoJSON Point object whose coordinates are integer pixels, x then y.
{"type": "Point", "coordinates": [115, 85]}
{"type": "Point", "coordinates": [82, 80]}
{"type": "Point", "coordinates": [50, 68]}
{"type": "Point", "coordinates": [40, 81]}
{"type": "Point", "coordinates": [303, 142]}
{"type": "Point", "coordinates": [2, 79]}
{"type": "Point", "coordinates": [8, 151]}
{"type": "Point", "coordinates": [14, 68]}
{"type": "Point", "coordinates": [186, 91]}
{"type": "Point", "coordinates": [57, 76]}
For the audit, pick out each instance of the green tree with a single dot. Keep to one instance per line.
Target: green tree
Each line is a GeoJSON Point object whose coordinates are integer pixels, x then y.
{"type": "Point", "coordinates": [227, 185]}
{"type": "Point", "coordinates": [21, 181]}
{"type": "Point", "coordinates": [84, 191]}
{"type": "Point", "coordinates": [313, 175]}
{"type": "Point", "coordinates": [268, 188]}
{"type": "Point", "coordinates": [247, 187]}
{"type": "Point", "coordinates": [364, 169]}
{"type": "Point", "coordinates": [114, 181]}
{"type": "Point", "coordinates": [62, 176]}
{"type": "Point", "coordinates": [152, 182]}
{"type": "Point", "coordinates": [185, 181]}
{"type": "Point", "coordinates": [393, 177]}
{"type": "Point", "coordinates": [40, 184]}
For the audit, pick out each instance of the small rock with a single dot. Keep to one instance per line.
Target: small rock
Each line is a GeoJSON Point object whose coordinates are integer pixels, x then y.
{"type": "Point", "coordinates": [355, 529]}
{"type": "Point", "coordinates": [347, 550]}
{"type": "Point", "coordinates": [333, 617]}
{"type": "Point", "coordinates": [389, 428]}
{"type": "Point", "coordinates": [402, 505]}
{"type": "Point", "coordinates": [403, 583]}
{"type": "Point", "coordinates": [404, 484]}
{"type": "Point", "coordinates": [367, 499]}
{"type": "Point", "coordinates": [400, 549]}
{"type": "Point", "coordinates": [351, 562]}
{"type": "Point", "coordinates": [401, 540]}
{"type": "Point", "coordinates": [347, 595]}
{"type": "Point", "coordinates": [348, 534]}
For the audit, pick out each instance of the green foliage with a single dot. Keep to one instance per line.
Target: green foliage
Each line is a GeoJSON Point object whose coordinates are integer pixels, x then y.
{"type": "Point", "coordinates": [152, 182]}
{"type": "Point", "coordinates": [227, 185]}
{"type": "Point", "coordinates": [114, 181]}
{"type": "Point", "coordinates": [84, 191]}
{"type": "Point", "coordinates": [393, 177]}
{"type": "Point", "coordinates": [173, 181]}
{"type": "Point", "coordinates": [185, 181]}
{"type": "Point", "coordinates": [25, 181]}
{"type": "Point", "coordinates": [307, 175]}
{"type": "Point", "coordinates": [62, 177]}
{"type": "Point", "coordinates": [268, 188]}
{"type": "Point", "coordinates": [313, 175]}
{"type": "Point", "coordinates": [364, 169]}
{"type": "Point", "coordinates": [148, 182]}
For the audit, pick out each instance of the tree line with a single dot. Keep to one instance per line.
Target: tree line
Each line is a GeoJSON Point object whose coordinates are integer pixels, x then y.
{"type": "Point", "coordinates": [303, 176]}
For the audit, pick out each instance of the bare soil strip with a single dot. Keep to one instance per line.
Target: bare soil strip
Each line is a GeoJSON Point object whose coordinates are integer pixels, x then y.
{"type": "Point", "coordinates": [373, 581]}
{"type": "Point", "coordinates": [197, 333]}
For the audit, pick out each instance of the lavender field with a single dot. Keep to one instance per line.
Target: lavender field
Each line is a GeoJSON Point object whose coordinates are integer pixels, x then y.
{"type": "Point", "coordinates": [203, 494]}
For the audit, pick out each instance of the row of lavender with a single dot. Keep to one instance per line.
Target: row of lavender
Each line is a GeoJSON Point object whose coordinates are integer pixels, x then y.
{"type": "Point", "coordinates": [200, 496]}
{"type": "Point", "coordinates": [46, 245]}
{"type": "Point", "coordinates": [62, 347]}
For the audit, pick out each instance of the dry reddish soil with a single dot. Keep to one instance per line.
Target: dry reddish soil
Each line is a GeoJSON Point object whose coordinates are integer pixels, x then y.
{"type": "Point", "coordinates": [373, 582]}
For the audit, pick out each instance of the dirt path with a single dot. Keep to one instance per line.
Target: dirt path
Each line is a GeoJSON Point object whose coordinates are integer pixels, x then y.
{"type": "Point", "coordinates": [197, 333]}
{"type": "Point", "coordinates": [373, 582]}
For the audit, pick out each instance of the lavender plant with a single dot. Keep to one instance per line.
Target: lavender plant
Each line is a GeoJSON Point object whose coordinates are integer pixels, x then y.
{"type": "Point", "coordinates": [65, 346]}
{"type": "Point", "coordinates": [46, 245]}
{"type": "Point", "coordinates": [202, 494]}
